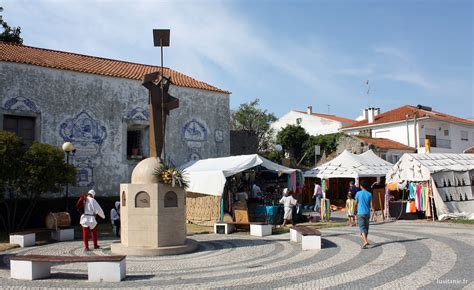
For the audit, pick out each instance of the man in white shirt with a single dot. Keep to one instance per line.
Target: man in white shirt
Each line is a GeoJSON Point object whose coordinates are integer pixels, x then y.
{"type": "Point", "coordinates": [256, 190]}
{"type": "Point", "coordinates": [317, 195]}
{"type": "Point", "coordinates": [288, 202]}
{"type": "Point", "coordinates": [115, 218]}
{"type": "Point", "coordinates": [88, 220]}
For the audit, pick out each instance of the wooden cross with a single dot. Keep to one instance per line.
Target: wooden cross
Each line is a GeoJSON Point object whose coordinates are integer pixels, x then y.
{"type": "Point", "coordinates": [160, 103]}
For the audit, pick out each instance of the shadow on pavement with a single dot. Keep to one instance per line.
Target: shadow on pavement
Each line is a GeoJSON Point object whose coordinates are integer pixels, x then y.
{"type": "Point", "coordinates": [375, 245]}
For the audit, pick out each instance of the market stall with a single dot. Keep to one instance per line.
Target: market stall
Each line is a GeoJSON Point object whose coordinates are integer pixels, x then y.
{"type": "Point", "coordinates": [345, 167]}
{"type": "Point", "coordinates": [248, 184]}
{"type": "Point", "coordinates": [438, 182]}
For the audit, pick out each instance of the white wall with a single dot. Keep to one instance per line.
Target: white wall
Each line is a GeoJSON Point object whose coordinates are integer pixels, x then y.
{"type": "Point", "coordinates": [313, 125]}
{"type": "Point", "coordinates": [66, 102]}
{"type": "Point", "coordinates": [398, 132]}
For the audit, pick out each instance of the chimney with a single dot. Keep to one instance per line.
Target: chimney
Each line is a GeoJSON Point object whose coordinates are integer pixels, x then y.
{"type": "Point", "coordinates": [377, 112]}
{"type": "Point", "coordinates": [370, 115]}
{"type": "Point", "coordinates": [309, 111]}
{"type": "Point", "coordinates": [364, 114]}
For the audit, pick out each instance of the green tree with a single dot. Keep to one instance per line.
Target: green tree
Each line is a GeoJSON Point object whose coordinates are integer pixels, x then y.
{"type": "Point", "coordinates": [328, 144]}
{"type": "Point", "coordinates": [27, 175]}
{"type": "Point", "coordinates": [249, 117]}
{"type": "Point", "coordinates": [10, 34]}
{"type": "Point", "coordinates": [292, 138]}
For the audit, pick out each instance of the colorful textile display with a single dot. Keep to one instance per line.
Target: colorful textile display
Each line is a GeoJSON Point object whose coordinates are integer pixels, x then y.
{"type": "Point", "coordinates": [325, 209]}
{"type": "Point", "coordinates": [419, 198]}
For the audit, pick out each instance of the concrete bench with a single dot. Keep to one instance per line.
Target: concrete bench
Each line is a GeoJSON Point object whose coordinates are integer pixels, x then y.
{"type": "Point", "coordinates": [27, 238]}
{"type": "Point", "coordinates": [310, 238]}
{"type": "Point", "coordinates": [259, 229]}
{"type": "Point", "coordinates": [99, 268]}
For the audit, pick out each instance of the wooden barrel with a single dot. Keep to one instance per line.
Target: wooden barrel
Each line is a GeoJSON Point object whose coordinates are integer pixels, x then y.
{"type": "Point", "coordinates": [55, 220]}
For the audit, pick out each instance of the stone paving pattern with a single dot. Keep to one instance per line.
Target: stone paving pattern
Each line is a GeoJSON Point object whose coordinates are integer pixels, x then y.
{"type": "Point", "coordinates": [403, 254]}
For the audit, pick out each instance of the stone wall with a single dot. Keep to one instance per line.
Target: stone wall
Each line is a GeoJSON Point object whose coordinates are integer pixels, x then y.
{"type": "Point", "coordinates": [93, 112]}
{"type": "Point", "coordinates": [345, 142]}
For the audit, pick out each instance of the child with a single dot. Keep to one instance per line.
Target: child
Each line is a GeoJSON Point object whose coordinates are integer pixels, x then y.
{"type": "Point", "coordinates": [350, 209]}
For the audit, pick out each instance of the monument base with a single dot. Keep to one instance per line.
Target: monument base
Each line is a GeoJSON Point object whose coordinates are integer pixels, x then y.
{"type": "Point", "coordinates": [190, 246]}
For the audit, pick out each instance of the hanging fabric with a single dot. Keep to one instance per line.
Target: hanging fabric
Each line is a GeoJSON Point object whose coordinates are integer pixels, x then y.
{"type": "Point", "coordinates": [428, 203]}
{"type": "Point", "coordinates": [411, 191]}
{"type": "Point", "coordinates": [293, 181]}
{"type": "Point", "coordinates": [417, 197]}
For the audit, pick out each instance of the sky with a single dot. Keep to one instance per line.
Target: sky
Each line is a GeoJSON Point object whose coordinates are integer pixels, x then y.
{"type": "Point", "coordinates": [288, 54]}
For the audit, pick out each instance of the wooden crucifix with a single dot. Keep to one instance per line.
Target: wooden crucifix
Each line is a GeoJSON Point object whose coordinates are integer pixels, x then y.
{"type": "Point", "coordinates": [160, 103]}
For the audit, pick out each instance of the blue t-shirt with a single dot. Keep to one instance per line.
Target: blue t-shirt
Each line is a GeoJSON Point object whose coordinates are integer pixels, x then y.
{"type": "Point", "coordinates": [363, 198]}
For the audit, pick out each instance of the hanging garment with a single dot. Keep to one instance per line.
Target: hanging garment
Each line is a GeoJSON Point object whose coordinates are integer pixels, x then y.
{"type": "Point", "coordinates": [412, 207]}
{"type": "Point", "coordinates": [407, 210]}
{"type": "Point", "coordinates": [417, 197]}
{"type": "Point", "coordinates": [293, 181]}
{"type": "Point", "coordinates": [392, 186]}
{"type": "Point", "coordinates": [428, 203]}
{"type": "Point", "coordinates": [387, 199]}
{"type": "Point", "coordinates": [411, 191]}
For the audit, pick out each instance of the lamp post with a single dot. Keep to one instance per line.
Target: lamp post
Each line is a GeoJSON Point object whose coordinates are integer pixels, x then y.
{"type": "Point", "coordinates": [68, 147]}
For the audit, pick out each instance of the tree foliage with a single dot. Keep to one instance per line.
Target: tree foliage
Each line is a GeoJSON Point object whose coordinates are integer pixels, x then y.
{"type": "Point", "coordinates": [328, 144]}
{"type": "Point", "coordinates": [292, 138]}
{"type": "Point", "coordinates": [28, 173]}
{"type": "Point", "coordinates": [10, 34]}
{"type": "Point", "coordinates": [249, 117]}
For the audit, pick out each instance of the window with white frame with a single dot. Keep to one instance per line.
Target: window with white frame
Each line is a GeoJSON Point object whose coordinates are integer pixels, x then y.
{"type": "Point", "coordinates": [464, 136]}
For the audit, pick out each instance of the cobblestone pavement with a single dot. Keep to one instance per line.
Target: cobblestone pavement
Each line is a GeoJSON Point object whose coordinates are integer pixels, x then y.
{"type": "Point", "coordinates": [402, 254]}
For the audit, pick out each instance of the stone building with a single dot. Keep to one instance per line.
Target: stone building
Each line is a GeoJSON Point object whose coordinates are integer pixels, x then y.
{"type": "Point", "coordinates": [100, 106]}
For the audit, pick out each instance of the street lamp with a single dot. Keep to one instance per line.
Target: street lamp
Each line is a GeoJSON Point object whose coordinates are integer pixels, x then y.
{"type": "Point", "coordinates": [68, 147]}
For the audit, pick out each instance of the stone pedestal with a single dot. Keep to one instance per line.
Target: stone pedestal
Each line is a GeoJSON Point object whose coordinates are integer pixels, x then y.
{"type": "Point", "coordinates": [152, 216]}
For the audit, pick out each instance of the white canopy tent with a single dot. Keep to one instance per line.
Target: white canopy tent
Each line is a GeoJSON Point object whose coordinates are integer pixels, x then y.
{"type": "Point", "coordinates": [348, 165]}
{"type": "Point", "coordinates": [208, 176]}
{"type": "Point", "coordinates": [420, 167]}
{"type": "Point", "coordinates": [451, 176]}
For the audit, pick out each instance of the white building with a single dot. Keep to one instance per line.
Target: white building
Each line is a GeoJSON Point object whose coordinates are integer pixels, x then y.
{"type": "Point", "coordinates": [313, 123]}
{"type": "Point", "coordinates": [411, 125]}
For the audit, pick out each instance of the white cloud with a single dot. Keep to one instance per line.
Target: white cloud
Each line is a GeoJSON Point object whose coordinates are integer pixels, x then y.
{"type": "Point", "coordinates": [391, 52]}
{"type": "Point", "coordinates": [411, 78]}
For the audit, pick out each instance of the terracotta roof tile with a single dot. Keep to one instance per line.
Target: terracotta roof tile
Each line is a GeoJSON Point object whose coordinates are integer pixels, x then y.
{"type": "Point", "coordinates": [469, 150]}
{"type": "Point", "coordinates": [399, 114]}
{"type": "Point", "coordinates": [384, 143]}
{"type": "Point", "coordinates": [93, 65]}
{"type": "Point", "coordinates": [331, 117]}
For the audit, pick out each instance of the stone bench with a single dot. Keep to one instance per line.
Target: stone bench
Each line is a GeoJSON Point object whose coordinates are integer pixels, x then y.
{"type": "Point", "coordinates": [259, 229]}
{"type": "Point", "coordinates": [99, 268]}
{"type": "Point", "coordinates": [310, 238]}
{"type": "Point", "coordinates": [27, 238]}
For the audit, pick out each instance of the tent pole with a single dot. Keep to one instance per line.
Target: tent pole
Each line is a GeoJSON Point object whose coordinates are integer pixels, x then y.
{"type": "Point", "coordinates": [431, 198]}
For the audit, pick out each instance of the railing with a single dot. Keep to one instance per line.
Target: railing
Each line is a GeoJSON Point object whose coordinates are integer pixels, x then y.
{"type": "Point", "coordinates": [436, 142]}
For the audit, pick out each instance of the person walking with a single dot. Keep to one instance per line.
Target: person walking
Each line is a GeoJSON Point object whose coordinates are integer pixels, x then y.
{"type": "Point", "coordinates": [350, 209]}
{"type": "Point", "coordinates": [288, 202]}
{"type": "Point", "coordinates": [88, 219]}
{"type": "Point", "coordinates": [353, 189]}
{"type": "Point", "coordinates": [317, 195]}
{"type": "Point", "coordinates": [364, 205]}
{"type": "Point", "coordinates": [115, 218]}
